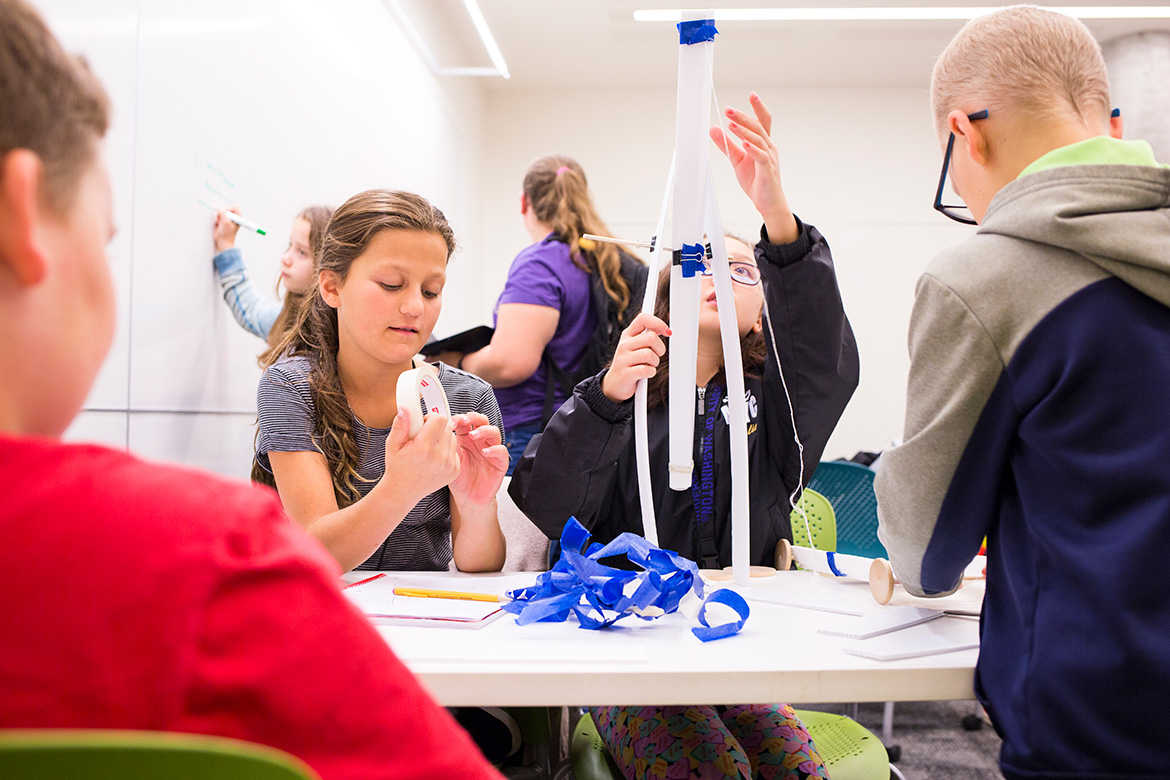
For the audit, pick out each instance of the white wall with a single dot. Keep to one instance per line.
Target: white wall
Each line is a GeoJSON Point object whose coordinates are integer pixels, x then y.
{"type": "Point", "coordinates": [272, 105]}
{"type": "Point", "coordinates": [859, 164]}
{"type": "Point", "coordinates": [309, 102]}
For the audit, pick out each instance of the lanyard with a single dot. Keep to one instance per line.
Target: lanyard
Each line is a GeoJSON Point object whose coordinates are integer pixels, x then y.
{"type": "Point", "coordinates": [703, 483]}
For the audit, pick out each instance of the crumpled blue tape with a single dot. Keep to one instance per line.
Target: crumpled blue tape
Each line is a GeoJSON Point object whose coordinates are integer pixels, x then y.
{"type": "Point", "coordinates": [691, 259]}
{"type": "Point", "coordinates": [696, 31]}
{"type": "Point", "coordinates": [579, 584]}
{"type": "Point", "coordinates": [732, 599]}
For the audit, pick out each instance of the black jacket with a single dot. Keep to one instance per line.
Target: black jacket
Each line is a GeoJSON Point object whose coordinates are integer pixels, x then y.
{"type": "Point", "coordinates": [583, 464]}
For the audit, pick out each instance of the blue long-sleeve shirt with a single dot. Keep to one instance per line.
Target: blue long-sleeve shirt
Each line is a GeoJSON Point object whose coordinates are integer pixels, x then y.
{"type": "Point", "coordinates": [253, 311]}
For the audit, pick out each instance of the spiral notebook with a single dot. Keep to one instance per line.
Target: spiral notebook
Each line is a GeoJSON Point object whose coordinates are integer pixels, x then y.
{"type": "Point", "coordinates": [376, 598]}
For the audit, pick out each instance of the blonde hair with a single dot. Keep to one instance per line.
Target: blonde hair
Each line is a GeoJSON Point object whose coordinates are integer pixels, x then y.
{"type": "Point", "coordinates": [1024, 61]}
{"type": "Point", "coordinates": [314, 333]}
{"type": "Point", "coordinates": [558, 193]}
{"type": "Point", "coordinates": [318, 219]}
{"type": "Point", "coordinates": [50, 102]}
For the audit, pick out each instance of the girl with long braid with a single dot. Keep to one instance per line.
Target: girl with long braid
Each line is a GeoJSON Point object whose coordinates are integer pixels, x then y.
{"type": "Point", "coordinates": [333, 436]}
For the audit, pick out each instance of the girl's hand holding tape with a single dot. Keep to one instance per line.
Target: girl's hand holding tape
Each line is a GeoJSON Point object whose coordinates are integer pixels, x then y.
{"type": "Point", "coordinates": [463, 452]}
{"type": "Point", "coordinates": [426, 462]}
{"type": "Point", "coordinates": [483, 459]}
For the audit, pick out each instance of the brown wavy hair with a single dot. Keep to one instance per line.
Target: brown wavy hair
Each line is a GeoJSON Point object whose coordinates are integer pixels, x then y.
{"type": "Point", "coordinates": [752, 345]}
{"type": "Point", "coordinates": [560, 199]}
{"type": "Point", "coordinates": [314, 333]}
{"type": "Point", "coordinates": [50, 102]}
{"type": "Point", "coordinates": [318, 219]}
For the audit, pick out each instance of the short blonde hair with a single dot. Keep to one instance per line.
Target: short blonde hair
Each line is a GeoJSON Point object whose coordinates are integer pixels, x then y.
{"type": "Point", "coordinates": [1023, 60]}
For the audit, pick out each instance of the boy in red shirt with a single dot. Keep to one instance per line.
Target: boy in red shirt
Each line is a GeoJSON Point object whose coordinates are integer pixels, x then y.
{"type": "Point", "coordinates": [141, 596]}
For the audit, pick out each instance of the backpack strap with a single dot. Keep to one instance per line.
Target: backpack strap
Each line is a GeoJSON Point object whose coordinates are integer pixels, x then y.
{"type": "Point", "coordinates": [635, 273]}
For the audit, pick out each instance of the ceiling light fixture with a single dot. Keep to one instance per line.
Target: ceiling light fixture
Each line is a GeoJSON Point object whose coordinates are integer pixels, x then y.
{"type": "Point", "coordinates": [485, 35]}
{"type": "Point", "coordinates": [499, 68]}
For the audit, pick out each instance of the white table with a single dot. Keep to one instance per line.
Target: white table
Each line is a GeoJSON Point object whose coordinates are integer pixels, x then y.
{"type": "Point", "coordinates": [778, 656]}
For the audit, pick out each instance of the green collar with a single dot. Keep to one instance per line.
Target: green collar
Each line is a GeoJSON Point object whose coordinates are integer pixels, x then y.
{"type": "Point", "coordinates": [1101, 150]}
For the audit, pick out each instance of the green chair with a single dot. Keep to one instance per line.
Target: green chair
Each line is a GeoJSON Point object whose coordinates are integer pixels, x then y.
{"type": "Point", "coordinates": [590, 758]}
{"type": "Point", "coordinates": [850, 750]}
{"type": "Point", "coordinates": [849, 488]}
{"type": "Point", "coordinates": [822, 521]}
{"type": "Point", "coordinates": [69, 754]}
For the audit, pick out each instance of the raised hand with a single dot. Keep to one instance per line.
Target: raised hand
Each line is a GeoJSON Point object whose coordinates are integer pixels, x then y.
{"type": "Point", "coordinates": [637, 356]}
{"type": "Point", "coordinates": [757, 167]}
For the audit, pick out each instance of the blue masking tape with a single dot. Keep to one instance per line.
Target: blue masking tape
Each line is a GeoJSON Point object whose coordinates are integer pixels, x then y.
{"type": "Point", "coordinates": [832, 559]}
{"type": "Point", "coordinates": [731, 599]}
{"type": "Point", "coordinates": [696, 31]}
{"type": "Point", "coordinates": [579, 584]}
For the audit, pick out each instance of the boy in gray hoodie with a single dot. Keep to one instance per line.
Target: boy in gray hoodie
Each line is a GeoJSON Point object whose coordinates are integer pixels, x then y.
{"type": "Point", "coordinates": [1038, 410]}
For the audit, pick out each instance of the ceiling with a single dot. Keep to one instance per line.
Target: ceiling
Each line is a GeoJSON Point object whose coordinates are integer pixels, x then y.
{"type": "Point", "coordinates": [596, 43]}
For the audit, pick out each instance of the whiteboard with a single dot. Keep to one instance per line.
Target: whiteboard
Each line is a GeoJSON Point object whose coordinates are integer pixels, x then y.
{"type": "Point", "coordinates": [269, 104]}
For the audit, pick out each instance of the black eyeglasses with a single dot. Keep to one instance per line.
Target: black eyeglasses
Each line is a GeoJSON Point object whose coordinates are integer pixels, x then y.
{"type": "Point", "coordinates": [957, 213]}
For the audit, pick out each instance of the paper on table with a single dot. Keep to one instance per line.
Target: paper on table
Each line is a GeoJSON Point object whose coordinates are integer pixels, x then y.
{"type": "Point", "coordinates": [889, 619]}
{"type": "Point", "coordinates": [376, 599]}
{"type": "Point", "coordinates": [799, 601]}
{"type": "Point", "coordinates": [917, 642]}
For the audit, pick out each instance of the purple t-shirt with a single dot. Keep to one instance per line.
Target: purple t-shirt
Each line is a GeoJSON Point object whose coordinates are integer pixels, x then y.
{"type": "Point", "coordinates": [545, 275]}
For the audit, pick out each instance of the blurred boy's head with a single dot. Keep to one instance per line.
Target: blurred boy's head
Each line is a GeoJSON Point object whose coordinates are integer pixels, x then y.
{"type": "Point", "coordinates": [1042, 79]}
{"type": "Point", "coordinates": [56, 294]}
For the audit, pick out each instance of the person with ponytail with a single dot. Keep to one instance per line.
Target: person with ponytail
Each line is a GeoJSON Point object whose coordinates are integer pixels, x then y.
{"type": "Point", "coordinates": [331, 426]}
{"type": "Point", "coordinates": [264, 317]}
{"type": "Point", "coordinates": [546, 306]}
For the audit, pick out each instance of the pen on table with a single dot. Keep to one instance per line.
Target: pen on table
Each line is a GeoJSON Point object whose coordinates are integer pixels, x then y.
{"type": "Point", "coordinates": [245, 223]}
{"type": "Point", "coordinates": [448, 594]}
{"type": "Point", "coordinates": [363, 582]}
{"type": "Point", "coordinates": [961, 613]}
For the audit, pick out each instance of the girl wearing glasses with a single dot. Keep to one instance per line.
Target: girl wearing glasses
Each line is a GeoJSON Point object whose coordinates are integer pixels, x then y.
{"type": "Point", "coordinates": [790, 320]}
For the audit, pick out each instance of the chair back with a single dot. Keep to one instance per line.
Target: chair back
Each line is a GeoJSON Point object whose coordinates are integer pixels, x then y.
{"type": "Point", "coordinates": [527, 545]}
{"type": "Point", "coordinates": [850, 751]}
{"type": "Point", "coordinates": [68, 754]}
{"type": "Point", "coordinates": [822, 522]}
{"type": "Point", "coordinates": [849, 488]}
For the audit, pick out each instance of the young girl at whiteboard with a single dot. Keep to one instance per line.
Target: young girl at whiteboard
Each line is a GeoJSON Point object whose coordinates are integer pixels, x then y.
{"type": "Point", "coordinates": [267, 318]}
{"type": "Point", "coordinates": [331, 427]}
{"type": "Point", "coordinates": [790, 317]}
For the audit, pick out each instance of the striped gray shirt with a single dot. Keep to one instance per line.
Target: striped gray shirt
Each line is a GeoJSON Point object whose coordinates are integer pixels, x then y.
{"type": "Point", "coordinates": [422, 542]}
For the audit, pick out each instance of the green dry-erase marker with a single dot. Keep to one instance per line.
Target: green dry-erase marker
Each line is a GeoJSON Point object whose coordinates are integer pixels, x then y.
{"type": "Point", "coordinates": [245, 223]}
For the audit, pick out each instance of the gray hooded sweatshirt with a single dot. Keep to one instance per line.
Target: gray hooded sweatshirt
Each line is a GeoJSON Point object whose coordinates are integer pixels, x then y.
{"type": "Point", "coordinates": [1038, 416]}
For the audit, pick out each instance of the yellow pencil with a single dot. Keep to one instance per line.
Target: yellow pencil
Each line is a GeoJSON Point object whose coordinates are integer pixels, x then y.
{"type": "Point", "coordinates": [445, 594]}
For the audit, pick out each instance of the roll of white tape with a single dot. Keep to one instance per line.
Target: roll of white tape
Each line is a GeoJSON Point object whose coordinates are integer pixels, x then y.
{"type": "Point", "coordinates": [421, 382]}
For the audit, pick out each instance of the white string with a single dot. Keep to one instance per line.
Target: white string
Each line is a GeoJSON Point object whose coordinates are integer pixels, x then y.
{"type": "Point", "coordinates": [795, 436]}
{"type": "Point", "coordinates": [793, 507]}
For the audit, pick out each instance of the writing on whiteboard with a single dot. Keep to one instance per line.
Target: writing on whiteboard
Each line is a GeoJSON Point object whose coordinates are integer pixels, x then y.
{"type": "Point", "coordinates": [214, 188]}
